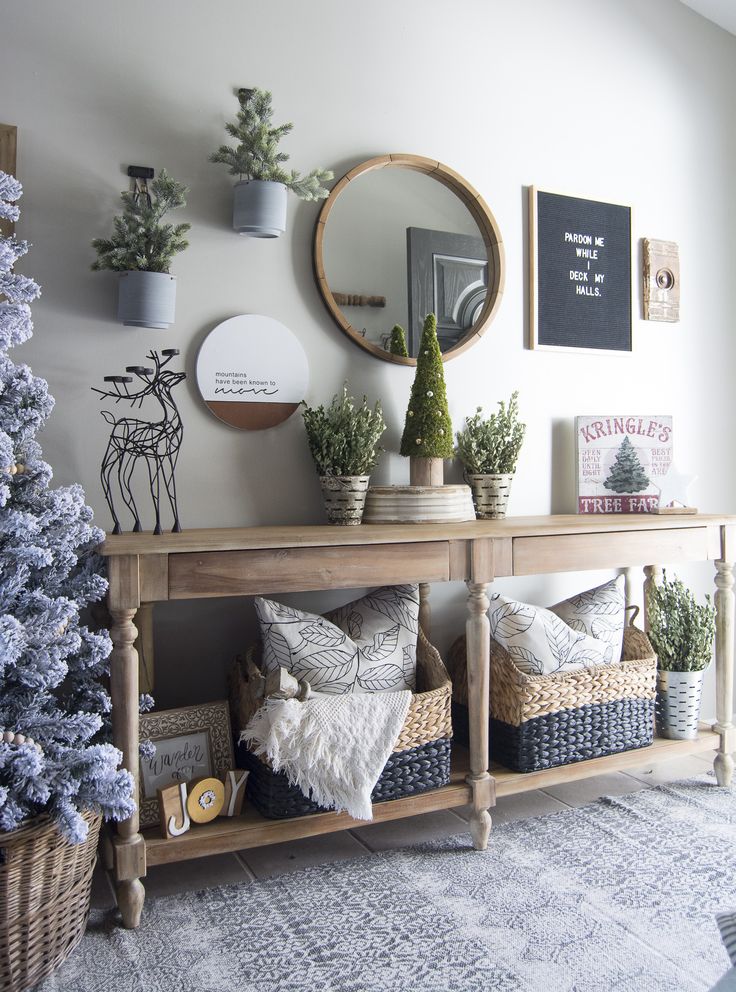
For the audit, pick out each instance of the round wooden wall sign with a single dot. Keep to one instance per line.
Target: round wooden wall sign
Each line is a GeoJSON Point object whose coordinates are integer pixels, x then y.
{"type": "Point", "coordinates": [252, 372]}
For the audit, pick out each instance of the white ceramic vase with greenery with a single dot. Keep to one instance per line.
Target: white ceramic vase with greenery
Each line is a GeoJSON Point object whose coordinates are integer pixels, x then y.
{"type": "Point", "coordinates": [141, 250]}
{"type": "Point", "coordinates": [682, 634]}
{"type": "Point", "coordinates": [259, 199]}
{"type": "Point", "coordinates": [488, 448]}
{"type": "Point", "coordinates": [344, 442]}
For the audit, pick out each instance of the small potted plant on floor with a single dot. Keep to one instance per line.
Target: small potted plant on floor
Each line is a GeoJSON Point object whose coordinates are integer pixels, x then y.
{"type": "Point", "coordinates": [489, 449]}
{"type": "Point", "coordinates": [344, 442]}
{"type": "Point", "coordinates": [682, 633]}
{"type": "Point", "coordinates": [141, 250]}
{"type": "Point", "coordinates": [259, 204]}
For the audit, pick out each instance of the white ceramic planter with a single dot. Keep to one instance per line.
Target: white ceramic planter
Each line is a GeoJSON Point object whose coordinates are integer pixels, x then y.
{"type": "Point", "coordinates": [259, 208]}
{"type": "Point", "coordinates": [677, 706]}
{"type": "Point", "coordinates": [146, 299]}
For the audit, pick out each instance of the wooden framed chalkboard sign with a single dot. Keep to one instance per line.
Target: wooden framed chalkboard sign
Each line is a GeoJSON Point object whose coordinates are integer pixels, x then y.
{"type": "Point", "coordinates": [580, 278]}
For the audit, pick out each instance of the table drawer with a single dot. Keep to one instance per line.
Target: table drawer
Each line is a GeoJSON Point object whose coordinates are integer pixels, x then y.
{"type": "Point", "coordinates": [248, 573]}
{"type": "Point", "coordinates": [577, 552]}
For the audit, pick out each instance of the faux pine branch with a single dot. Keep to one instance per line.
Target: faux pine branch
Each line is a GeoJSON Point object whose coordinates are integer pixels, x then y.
{"type": "Point", "coordinates": [257, 156]}
{"type": "Point", "coordinates": [140, 242]}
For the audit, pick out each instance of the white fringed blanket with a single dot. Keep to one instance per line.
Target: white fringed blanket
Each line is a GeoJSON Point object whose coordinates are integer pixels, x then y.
{"type": "Point", "coordinates": [333, 748]}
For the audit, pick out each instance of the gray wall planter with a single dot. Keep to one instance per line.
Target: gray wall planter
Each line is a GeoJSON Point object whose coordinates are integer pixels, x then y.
{"type": "Point", "coordinates": [146, 299]}
{"type": "Point", "coordinates": [259, 208]}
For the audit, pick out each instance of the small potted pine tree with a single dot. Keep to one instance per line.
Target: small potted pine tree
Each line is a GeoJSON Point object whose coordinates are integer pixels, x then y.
{"type": "Point", "coordinates": [259, 199]}
{"type": "Point", "coordinates": [488, 448]}
{"type": "Point", "coordinates": [682, 633]}
{"type": "Point", "coordinates": [344, 443]}
{"type": "Point", "coordinates": [141, 249]}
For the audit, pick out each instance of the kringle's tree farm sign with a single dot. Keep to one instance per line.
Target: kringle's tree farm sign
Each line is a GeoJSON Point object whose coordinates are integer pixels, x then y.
{"type": "Point", "coordinates": [621, 462]}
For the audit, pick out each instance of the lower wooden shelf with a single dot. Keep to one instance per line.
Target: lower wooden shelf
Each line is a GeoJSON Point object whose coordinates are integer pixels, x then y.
{"type": "Point", "coordinates": [253, 830]}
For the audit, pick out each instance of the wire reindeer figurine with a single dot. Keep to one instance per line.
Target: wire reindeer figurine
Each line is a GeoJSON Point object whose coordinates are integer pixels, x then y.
{"type": "Point", "coordinates": [132, 439]}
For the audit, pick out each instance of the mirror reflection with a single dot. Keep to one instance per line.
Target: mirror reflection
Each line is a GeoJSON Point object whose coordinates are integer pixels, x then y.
{"type": "Point", "coordinates": [399, 244]}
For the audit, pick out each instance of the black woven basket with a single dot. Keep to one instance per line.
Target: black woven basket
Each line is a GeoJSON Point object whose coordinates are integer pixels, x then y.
{"type": "Point", "coordinates": [562, 738]}
{"type": "Point", "coordinates": [406, 773]}
{"type": "Point", "coordinates": [541, 721]}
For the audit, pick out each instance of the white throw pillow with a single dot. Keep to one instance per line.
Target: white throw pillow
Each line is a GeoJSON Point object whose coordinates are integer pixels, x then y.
{"type": "Point", "coordinates": [599, 612]}
{"type": "Point", "coordinates": [369, 645]}
{"type": "Point", "coordinates": [539, 642]}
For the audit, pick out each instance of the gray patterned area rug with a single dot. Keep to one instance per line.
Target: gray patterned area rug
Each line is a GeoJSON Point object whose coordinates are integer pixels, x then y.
{"type": "Point", "coordinates": [619, 896]}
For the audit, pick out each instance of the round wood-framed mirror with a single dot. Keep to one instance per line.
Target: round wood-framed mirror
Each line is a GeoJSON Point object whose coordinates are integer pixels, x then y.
{"type": "Point", "coordinates": [401, 236]}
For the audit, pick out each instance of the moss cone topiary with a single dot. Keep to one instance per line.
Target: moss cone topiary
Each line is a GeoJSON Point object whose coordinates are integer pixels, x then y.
{"type": "Point", "coordinates": [398, 341]}
{"type": "Point", "coordinates": [428, 428]}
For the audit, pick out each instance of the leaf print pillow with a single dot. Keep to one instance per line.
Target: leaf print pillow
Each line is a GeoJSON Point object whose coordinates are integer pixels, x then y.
{"type": "Point", "coordinates": [599, 612]}
{"type": "Point", "coordinates": [539, 642]}
{"type": "Point", "coordinates": [369, 645]}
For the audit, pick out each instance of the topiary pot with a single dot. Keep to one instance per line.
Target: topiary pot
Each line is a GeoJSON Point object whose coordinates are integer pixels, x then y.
{"type": "Point", "coordinates": [259, 208]}
{"type": "Point", "coordinates": [146, 299]}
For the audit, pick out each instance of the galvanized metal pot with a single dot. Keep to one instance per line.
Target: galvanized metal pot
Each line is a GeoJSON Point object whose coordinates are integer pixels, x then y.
{"type": "Point", "coordinates": [490, 494]}
{"type": "Point", "coordinates": [677, 707]}
{"type": "Point", "coordinates": [259, 208]}
{"type": "Point", "coordinates": [344, 497]}
{"type": "Point", "coordinates": [146, 299]}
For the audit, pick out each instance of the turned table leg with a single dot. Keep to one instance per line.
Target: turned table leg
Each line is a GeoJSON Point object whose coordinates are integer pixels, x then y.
{"type": "Point", "coordinates": [478, 641]}
{"type": "Point", "coordinates": [724, 602]}
{"type": "Point", "coordinates": [128, 844]}
{"type": "Point", "coordinates": [653, 577]}
{"type": "Point", "coordinates": [425, 611]}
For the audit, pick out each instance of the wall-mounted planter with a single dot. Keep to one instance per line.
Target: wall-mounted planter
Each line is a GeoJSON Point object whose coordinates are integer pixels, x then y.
{"type": "Point", "coordinates": [259, 208]}
{"type": "Point", "coordinates": [146, 299]}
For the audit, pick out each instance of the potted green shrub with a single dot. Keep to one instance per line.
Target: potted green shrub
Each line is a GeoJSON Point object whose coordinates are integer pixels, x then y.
{"type": "Point", "coordinates": [259, 203]}
{"type": "Point", "coordinates": [344, 442]}
{"type": "Point", "coordinates": [489, 449]}
{"type": "Point", "coordinates": [141, 250]}
{"type": "Point", "coordinates": [682, 633]}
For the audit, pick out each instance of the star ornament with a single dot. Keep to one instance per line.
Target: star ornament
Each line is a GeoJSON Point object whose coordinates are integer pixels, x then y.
{"type": "Point", "coordinates": [673, 488]}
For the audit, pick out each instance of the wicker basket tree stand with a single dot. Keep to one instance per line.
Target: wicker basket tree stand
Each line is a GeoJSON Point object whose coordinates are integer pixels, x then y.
{"type": "Point", "coordinates": [45, 887]}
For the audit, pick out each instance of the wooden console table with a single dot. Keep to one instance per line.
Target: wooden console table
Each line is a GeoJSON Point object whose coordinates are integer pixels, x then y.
{"type": "Point", "coordinates": [271, 560]}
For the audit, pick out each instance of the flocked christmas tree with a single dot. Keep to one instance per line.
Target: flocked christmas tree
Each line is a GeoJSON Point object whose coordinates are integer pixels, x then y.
{"type": "Point", "coordinates": [627, 474]}
{"type": "Point", "coordinates": [51, 663]}
{"type": "Point", "coordinates": [428, 428]}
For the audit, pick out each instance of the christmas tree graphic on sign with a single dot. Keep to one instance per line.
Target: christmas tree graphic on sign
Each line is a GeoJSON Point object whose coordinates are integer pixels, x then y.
{"type": "Point", "coordinates": [621, 461]}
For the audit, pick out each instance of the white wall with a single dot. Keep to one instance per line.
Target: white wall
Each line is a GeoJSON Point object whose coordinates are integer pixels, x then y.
{"type": "Point", "coordinates": [613, 99]}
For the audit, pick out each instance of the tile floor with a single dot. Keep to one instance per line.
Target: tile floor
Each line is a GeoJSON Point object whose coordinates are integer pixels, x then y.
{"type": "Point", "coordinates": [279, 859]}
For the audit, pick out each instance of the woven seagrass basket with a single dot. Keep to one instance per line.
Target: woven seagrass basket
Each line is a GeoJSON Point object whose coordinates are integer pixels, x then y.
{"type": "Point", "coordinates": [44, 899]}
{"type": "Point", "coordinates": [540, 721]}
{"type": "Point", "coordinates": [420, 760]}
